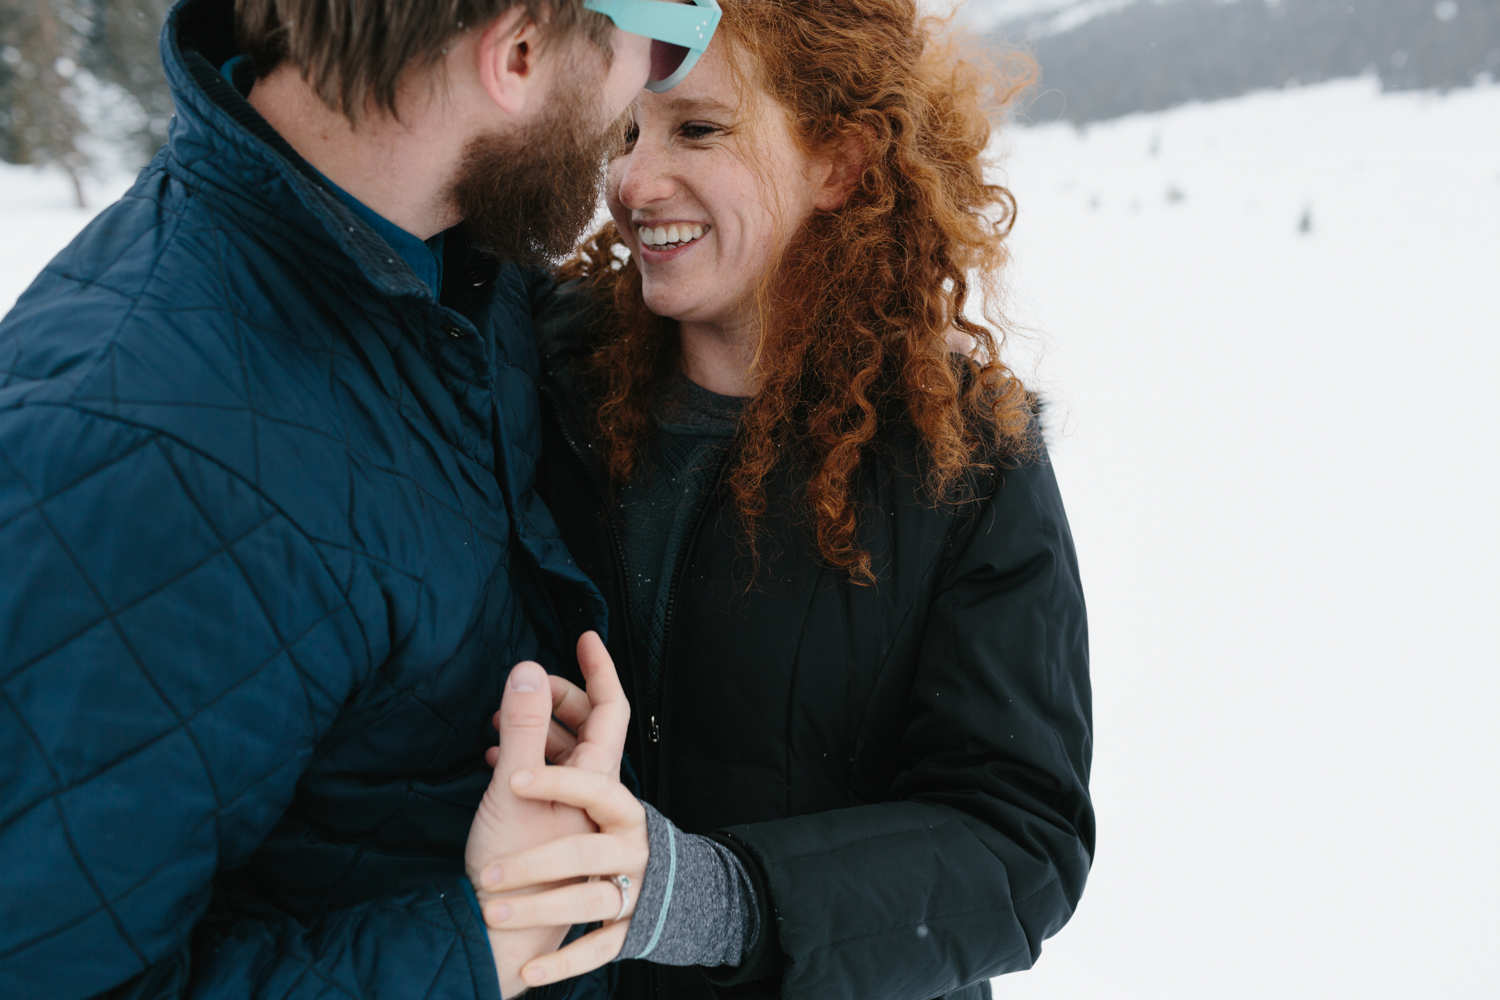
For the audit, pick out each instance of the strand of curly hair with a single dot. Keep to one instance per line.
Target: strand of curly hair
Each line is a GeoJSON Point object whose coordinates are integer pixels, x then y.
{"type": "Point", "coordinates": [857, 314]}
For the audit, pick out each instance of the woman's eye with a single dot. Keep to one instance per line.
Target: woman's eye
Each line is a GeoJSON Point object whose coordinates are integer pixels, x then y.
{"type": "Point", "coordinates": [632, 133]}
{"type": "Point", "coordinates": [697, 130]}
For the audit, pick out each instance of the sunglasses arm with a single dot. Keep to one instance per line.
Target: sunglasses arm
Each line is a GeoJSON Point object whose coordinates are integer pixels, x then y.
{"type": "Point", "coordinates": [688, 25]}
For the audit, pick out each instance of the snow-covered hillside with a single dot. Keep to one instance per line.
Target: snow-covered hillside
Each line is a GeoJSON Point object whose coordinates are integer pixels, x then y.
{"type": "Point", "coordinates": [1269, 332]}
{"type": "Point", "coordinates": [1271, 335]}
{"type": "Point", "coordinates": [1048, 15]}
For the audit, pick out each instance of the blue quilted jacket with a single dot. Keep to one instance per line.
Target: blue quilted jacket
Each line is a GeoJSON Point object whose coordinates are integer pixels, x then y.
{"type": "Point", "coordinates": [268, 547]}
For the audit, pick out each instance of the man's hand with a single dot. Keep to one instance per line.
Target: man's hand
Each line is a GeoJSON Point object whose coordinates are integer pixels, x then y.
{"type": "Point", "coordinates": [541, 883]}
{"type": "Point", "coordinates": [588, 727]}
{"type": "Point", "coordinates": [505, 823]}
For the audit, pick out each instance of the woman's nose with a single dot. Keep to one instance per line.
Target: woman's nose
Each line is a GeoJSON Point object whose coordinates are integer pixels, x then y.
{"type": "Point", "coordinates": [645, 178]}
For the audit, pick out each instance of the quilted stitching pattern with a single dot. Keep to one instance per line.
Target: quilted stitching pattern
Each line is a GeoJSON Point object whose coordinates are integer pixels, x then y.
{"type": "Point", "coordinates": [258, 516]}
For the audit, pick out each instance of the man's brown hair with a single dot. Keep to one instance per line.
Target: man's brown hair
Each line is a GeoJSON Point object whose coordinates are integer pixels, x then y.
{"type": "Point", "coordinates": [354, 51]}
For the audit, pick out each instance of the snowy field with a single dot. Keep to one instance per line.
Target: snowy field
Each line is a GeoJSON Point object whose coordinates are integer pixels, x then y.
{"type": "Point", "coordinates": [1278, 450]}
{"type": "Point", "coordinates": [1268, 327]}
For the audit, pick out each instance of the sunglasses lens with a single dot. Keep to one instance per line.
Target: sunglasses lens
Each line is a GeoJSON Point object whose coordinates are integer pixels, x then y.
{"type": "Point", "coordinates": [665, 59]}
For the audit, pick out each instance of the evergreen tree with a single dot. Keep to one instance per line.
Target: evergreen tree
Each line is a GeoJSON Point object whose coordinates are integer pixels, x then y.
{"type": "Point", "coordinates": [123, 49]}
{"type": "Point", "coordinates": [40, 41]}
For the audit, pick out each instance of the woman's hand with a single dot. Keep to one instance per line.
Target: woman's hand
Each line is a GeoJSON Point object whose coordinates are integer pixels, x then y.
{"type": "Point", "coordinates": [621, 847]}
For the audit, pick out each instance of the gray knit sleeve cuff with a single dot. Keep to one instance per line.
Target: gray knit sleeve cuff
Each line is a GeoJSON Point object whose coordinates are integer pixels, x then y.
{"type": "Point", "coordinates": [697, 905]}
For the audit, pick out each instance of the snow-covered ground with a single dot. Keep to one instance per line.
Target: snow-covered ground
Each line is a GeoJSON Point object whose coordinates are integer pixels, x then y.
{"type": "Point", "coordinates": [1268, 327]}
{"type": "Point", "coordinates": [1277, 441]}
{"type": "Point", "coordinates": [38, 218]}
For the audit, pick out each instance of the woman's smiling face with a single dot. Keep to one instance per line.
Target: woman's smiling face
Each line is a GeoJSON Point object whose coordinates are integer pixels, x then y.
{"type": "Point", "coordinates": [707, 192]}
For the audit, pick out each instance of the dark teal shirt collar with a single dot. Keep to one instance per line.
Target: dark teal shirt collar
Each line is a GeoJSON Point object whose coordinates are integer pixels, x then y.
{"type": "Point", "coordinates": [425, 258]}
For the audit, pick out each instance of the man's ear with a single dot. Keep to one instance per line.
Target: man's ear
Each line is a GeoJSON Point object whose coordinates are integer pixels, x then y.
{"type": "Point", "coordinates": [841, 173]}
{"type": "Point", "coordinates": [508, 51]}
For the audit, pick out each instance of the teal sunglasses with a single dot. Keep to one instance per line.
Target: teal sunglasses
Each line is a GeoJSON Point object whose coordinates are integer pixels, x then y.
{"type": "Point", "coordinates": [679, 33]}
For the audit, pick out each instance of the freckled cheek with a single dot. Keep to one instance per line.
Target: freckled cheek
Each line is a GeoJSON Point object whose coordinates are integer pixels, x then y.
{"type": "Point", "coordinates": [617, 208]}
{"type": "Point", "coordinates": [756, 239]}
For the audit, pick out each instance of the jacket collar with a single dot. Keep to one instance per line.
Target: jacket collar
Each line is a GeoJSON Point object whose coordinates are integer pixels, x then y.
{"type": "Point", "coordinates": [223, 141]}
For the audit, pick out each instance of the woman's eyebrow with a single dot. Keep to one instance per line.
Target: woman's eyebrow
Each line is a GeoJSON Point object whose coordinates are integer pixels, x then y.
{"type": "Point", "coordinates": [687, 105]}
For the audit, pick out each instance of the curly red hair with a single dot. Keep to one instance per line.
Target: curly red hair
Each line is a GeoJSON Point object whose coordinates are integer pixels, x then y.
{"type": "Point", "coordinates": [856, 315]}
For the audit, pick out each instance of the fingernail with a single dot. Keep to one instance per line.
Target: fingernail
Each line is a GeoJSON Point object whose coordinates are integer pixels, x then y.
{"type": "Point", "coordinates": [490, 877]}
{"type": "Point", "coordinates": [527, 677]}
{"type": "Point", "coordinates": [533, 974]}
{"type": "Point", "coordinates": [521, 779]}
{"type": "Point", "coordinates": [499, 913]}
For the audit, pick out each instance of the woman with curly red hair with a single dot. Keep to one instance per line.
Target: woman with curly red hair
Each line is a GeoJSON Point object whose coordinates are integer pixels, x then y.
{"type": "Point", "coordinates": [843, 592]}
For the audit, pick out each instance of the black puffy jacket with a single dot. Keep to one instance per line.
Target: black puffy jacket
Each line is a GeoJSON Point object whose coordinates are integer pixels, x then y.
{"type": "Point", "coordinates": [904, 767]}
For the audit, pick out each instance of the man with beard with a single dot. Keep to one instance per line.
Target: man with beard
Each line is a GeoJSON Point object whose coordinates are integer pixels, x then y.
{"type": "Point", "coordinates": [267, 441]}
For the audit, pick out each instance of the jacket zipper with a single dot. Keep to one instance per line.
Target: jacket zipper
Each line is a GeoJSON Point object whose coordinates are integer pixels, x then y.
{"type": "Point", "coordinates": [683, 558]}
{"type": "Point", "coordinates": [652, 972]}
{"type": "Point", "coordinates": [650, 778]}
{"type": "Point", "coordinates": [601, 485]}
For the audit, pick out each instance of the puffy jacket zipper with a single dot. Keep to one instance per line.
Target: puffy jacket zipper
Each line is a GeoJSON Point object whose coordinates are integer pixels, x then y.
{"type": "Point", "coordinates": [611, 528]}
{"type": "Point", "coordinates": [652, 731]}
{"type": "Point", "coordinates": [683, 558]}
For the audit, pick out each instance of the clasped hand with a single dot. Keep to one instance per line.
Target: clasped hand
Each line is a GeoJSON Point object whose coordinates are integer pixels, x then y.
{"type": "Point", "coordinates": [545, 837]}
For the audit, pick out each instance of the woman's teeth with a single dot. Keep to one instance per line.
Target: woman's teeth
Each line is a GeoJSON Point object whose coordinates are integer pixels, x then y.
{"type": "Point", "coordinates": [666, 236]}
